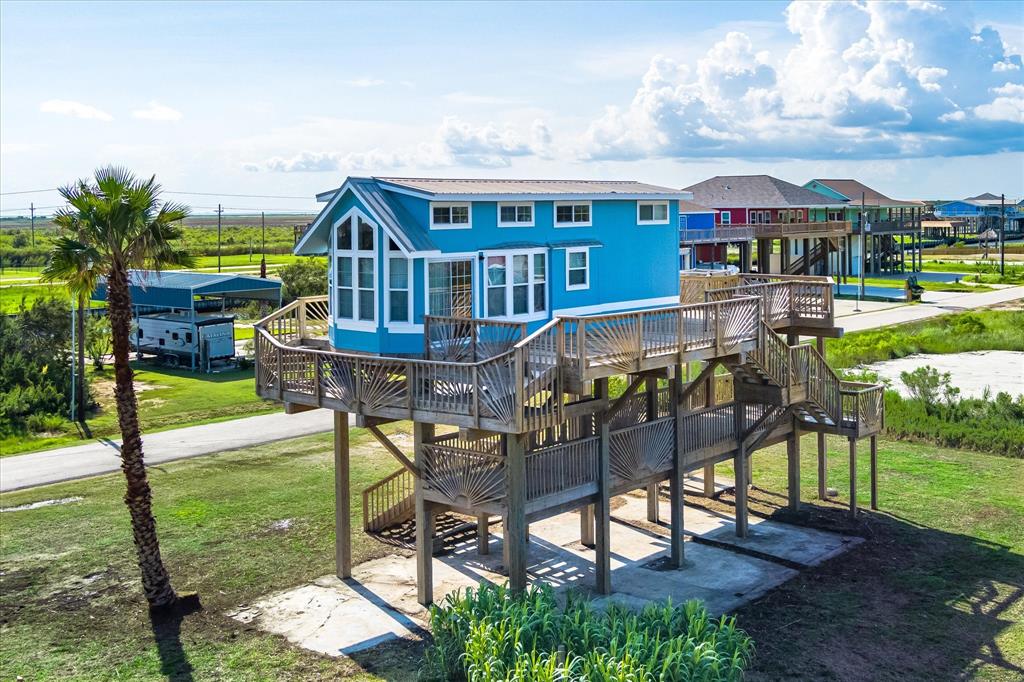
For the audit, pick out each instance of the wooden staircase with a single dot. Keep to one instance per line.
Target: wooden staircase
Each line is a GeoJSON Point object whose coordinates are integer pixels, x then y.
{"type": "Point", "coordinates": [817, 254]}
{"type": "Point", "coordinates": [389, 501]}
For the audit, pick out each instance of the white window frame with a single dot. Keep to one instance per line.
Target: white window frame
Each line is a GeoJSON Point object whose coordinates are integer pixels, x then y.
{"type": "Point", "coordinates": [532, 313]}
{"type": "Point", "coordinates": [451, 257]}
{"type": "Point", "coordinates": [354, 254]}
{"type": "Point", "coordinates": [407, 325]}
{"type": "Point", "coordinates": [726, 217]}
{"type": "Point", "coordinates": [517, 223]}
{"type": "Point", "coordinates": [585, 250]}
{"type": "Point", "coordinates": [449, 205]}
{"type": "Point", "coordinates": [590, 212]}
{"type": "Point", "coordinates": [666, 221]}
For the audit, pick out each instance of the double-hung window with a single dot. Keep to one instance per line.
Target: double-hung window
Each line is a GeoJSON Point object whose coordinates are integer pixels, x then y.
{"type": "Point", "coordinates": [726, 217]}
{"type": "Point", "coordinates": [518, 214]}
{"type": "Point", "coordinates": [577, 269]}
{"type": "Point", "coordinates": [572, 214]}
{"type": "Point", "coordinates": [652, 213]}
{"type": "Point", "coordinates": [450, 216]}
{"type": "Point", "coordinates": [398, 284]}
{"type": "Point", "coordinates": [355, 270]}
{"type": "Point", "coordinates": [516, 284]}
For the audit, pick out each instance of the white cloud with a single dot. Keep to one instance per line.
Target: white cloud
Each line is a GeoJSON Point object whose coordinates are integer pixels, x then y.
{"type": "Point", "coordinates": [155, 111]}
{"type": "Point", "coordinates": [66, 107]}
{"type": "Point", "coordinates": [364, 82]}
{"type": "Point", "coordinates": [863, 80]}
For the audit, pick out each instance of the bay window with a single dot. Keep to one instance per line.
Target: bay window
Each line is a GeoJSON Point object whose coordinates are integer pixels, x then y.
{"type": "Point", "coordinates": [398, 276]}
{"type": "Point", "coordinates": [355, 261]}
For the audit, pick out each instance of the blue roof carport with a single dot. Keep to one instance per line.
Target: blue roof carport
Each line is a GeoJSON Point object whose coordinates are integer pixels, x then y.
{"type": "Point", "coordinates": [179, 290]}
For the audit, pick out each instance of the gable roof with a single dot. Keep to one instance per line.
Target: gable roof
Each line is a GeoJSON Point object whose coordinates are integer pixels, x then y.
{"type": "Point", "coordinates": [853, 189]}
{"type": "Point", "coordinates": [495, 189]}
{"type": "Point", "coordinates": [756, 191]}
{"type": "Point", "coordinates": [987, 196]}
{"type": "Point", "coordinates": [690, 207]}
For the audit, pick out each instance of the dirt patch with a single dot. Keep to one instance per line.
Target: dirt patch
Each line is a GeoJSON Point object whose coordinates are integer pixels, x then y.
{"type": "Point", "coordinates": [42, 503]}
{"type": "Point", "coordinates": [102, 388]}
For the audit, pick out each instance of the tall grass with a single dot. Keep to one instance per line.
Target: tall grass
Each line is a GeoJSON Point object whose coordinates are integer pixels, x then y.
{"type": "Point", "coordinates": [956, 333]}
{"type": "Point", "coordinates": [489, 634]}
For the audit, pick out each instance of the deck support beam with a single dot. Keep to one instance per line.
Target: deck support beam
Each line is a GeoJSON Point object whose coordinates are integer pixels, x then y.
{"type": "Point", "coordinates": [516, 532]}
{"type": "Point", "coordinates": [793, 469]}
{"type": "Point", "coordinates": [602, 508]}
{"type": "Point", "coordinates": [651, 395]}
{"type": "Point", "coordinates": [819, 343]}
{"type": "Point", "coordinates": [677, 486]}
{"type": "Point", "coordinates": [483, 534]}
{"type": "Point", "coordinates": [393, 449]}
{"type": "Point", "coordinates": [740, 470]}
{"type": "Point", "coordinates": [422, 433]}
{"type": "Point", "coordinates": [853, 477]}
{"type": "Point", "coordinates": [709, 480]}
{"type": "Point", "coordinates": [342, 499]}
{"type": "Point", "coordinates": [874, 473]}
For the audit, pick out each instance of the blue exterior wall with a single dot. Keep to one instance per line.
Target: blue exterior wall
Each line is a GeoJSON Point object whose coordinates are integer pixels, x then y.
{"type": "Point", "coordinates": [634, 266]}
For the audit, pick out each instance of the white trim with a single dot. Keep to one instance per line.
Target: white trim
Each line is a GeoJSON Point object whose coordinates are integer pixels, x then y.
{"type": "Point", "coordinates": [590, 212]}
{"type": "Point", "coordinates": [387, 288]}
{"type": "Point", "coordinates": [664, 301]}
{"type": "Point", "coordinates": [509, 255]}
{"type": "Point", "coordinates": [404, 328]}
{"type": "Point", "coordinates": [726, 217]}
{"type": "Point", "coordinates": [354, 254]}
{"type": "Point", "coordinates": [450, 205]}
{"type": "Point", "coordinates": [568, 252]}
{"type": "Point", "coordinates": [407, 248]}
{"type": "Point", "coordinates": [666, 221]}
{"type": "Point", "coordinates": [517, 204]}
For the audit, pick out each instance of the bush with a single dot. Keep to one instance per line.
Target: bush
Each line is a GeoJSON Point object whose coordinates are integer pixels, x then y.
{"type": "Point", "coordinates": [42, 423]}
{"type": "Point", "coordinates": [489, 634]}
{"type": "Point", "coordinates": [305, 277]}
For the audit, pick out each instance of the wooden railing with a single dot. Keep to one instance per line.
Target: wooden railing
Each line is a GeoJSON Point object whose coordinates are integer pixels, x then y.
{"type": "Point", "coordinates": [463, 339]}
{"type": "Point", "coordinates": [302, 319]}
{"type": "Point", "coordinates": [561, 467]}
{"type": "Point", "coordinates": [632, 342]}
{"type": "Point", "coordinates": [462, 477]}
{"type": "Point", "coordinates": [693, 284]}
{"type": "Point", "coordinates": [772, 355]}
{"type": "Point", "coordinates": [786, 229]}
{"type": "Point", "coordinates": [638, 451]}
{"type": "Point", "coordinates": [790, 301]}
{"type": "Point", "coordinates": [863, 407]}
{"type": "Point", "coordinates": [389, 501]}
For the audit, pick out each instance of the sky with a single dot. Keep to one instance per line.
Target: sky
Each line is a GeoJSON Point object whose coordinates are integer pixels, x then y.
{"type": "Point", "coordinates": [920, 100]}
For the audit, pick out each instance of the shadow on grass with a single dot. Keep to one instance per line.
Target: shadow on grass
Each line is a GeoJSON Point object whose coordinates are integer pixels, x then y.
{"type": "Point", "coordinates": [174, 663]}
{"type": "Point", "coordinates": [912, 602]}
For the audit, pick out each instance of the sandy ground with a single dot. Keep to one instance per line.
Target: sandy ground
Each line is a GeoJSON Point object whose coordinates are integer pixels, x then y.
{"type": "Point", "coordinates": [999, 370]}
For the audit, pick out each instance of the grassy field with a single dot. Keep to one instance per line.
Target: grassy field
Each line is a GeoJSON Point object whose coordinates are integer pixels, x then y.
{"type": "Point", "coordinates": [936, 592]}
{"type": "Point", "coordinates": [168, 398]}
{"type": "Point", "coordinates": [928, 286]}
{"type": "Point", "coordinates": [208, 261]}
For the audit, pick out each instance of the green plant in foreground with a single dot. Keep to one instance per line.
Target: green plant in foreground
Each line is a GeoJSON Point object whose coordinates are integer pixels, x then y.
{"type": "Point", "coordinates": [490, 634]}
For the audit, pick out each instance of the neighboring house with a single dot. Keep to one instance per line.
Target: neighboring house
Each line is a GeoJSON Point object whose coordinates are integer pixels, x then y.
{"type": "Point", "coordinates": [510, 250]}
{"type": "Point", "coordinates": [702, 243]}
{"type": "Point", "coordinates": [982, 213]}
{"type": "Point", "coordinates": [894, 227]}
{"type": "Point", "coordinates": [787, 220]}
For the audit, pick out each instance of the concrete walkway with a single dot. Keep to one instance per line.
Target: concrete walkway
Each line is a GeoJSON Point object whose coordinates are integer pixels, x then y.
{"type": "Point", "coordinates": [101, 457]}
{"type": "Point", "coordinates": [933, 303]}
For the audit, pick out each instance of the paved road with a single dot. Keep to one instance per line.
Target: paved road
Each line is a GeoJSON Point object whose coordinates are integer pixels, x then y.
{"type": "Point", "coordinates": [101, 457]}
{"type": "Point", "coordinates": [53, 466]}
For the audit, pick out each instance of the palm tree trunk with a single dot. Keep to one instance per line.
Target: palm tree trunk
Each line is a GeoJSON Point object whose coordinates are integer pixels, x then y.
{"type": "Point", "coordinates": [80, 388]}
{"type": "Point", "coordinates": [156, 583]}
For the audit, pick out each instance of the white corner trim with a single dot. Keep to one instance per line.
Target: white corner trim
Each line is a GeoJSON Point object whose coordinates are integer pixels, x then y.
{"type": "Point", "coordinates": [617, 306]}
{"type": "Point", "coordinates": [554, 213]}
{"type": "Point", "coordinates": [666, 221]}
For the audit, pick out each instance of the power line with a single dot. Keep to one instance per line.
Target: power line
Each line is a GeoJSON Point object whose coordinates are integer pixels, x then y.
{"type": "Point", "coordinates": [168, 191]}
{"type": "Point", "coordinates": [29, 191]}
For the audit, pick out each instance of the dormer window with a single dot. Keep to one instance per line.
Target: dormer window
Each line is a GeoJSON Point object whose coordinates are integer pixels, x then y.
{"type": "Point", "coordinates": [652, 213]}
{"type": "Point", "coordinates": [450, 216]}
{"type": "Point", "coordinates": [572, 214]}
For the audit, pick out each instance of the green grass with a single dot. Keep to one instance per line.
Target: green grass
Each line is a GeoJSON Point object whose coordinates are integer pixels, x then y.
{"type": "Point", "coordinates": [985, 273]}
{"type": "Point", "coordinates": [954, 333]}
{"type": "Point", "coordinates": [12, 296]}
{"type": "Point", "coordinates": [946, 558]}
{"type": "Point", "coordinates": [70, 601]}
{"type": "Point", "coordinates": [209, 261]}
{"type": "Point", "coordinates": [928, 286]}
{"type": "Point", "coordinates": [168, 398]}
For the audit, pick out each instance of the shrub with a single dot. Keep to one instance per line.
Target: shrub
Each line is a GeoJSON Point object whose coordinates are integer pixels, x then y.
{"type": "Point", "coordinates": [41, 423]}
{"type": "Point", "coordinates": [305, 277]}
{"type": "Point", "coordinates": [489, 634]}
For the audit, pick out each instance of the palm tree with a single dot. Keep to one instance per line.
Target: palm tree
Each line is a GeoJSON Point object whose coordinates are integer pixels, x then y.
{"type": "Point", "coordinates": [114, 224]}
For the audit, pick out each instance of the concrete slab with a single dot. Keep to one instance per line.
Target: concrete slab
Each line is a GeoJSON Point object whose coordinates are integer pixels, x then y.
{"type": "Point", "coordinates": [337, 617]}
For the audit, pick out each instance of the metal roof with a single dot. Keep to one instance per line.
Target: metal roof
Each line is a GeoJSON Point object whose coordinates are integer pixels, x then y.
{"type": "Point", "coordinates": [757, 191]}
{"type": "Point", "coordinates": [852, 190]}
{"type": "Point", "coordinates": [176, 289]}
{"type": "Point", "coordinates": [466, 187]}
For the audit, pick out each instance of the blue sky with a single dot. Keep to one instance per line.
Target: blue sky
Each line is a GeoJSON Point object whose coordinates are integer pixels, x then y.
{"type": "Point", "coordinates": [919, 100]}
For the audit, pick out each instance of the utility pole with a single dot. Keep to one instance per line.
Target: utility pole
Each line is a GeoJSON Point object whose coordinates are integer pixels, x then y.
{"type": "Point", "coordinates": [1002, 235]}
{"type": "Point", "coordinates": [263, 245]}
{"type": "Point", "coordinates": [864, 229]}
{"type": "Point", "coordinates": [219, 211]}
{"type": "Point", "coordinates": [32, 212]}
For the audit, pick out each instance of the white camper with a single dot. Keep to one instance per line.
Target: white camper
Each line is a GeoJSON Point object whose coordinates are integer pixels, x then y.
{"type": "Point", "coordinates": [182, 340]}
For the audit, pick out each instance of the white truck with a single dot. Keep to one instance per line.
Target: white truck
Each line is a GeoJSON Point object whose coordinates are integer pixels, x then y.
{"type": "Point", "coordinates": [180, 340]}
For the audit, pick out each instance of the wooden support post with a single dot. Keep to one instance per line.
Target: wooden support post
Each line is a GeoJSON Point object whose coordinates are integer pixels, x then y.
{"type": "Point", "coordinates": [602, 509]}
{"type": "Point", "coordinates": [709, 480]}
{"type": "Point", "coordinates": [853, 477]}
{"type": "Point", "coordinates": [587, 525]}
{"type": "Point", "coordinates": [874, 473]}
{"type": "Point", "coordinates": [740, 470]}
{"type": "Point", "coordinates": [807, 257]}
{"type": "Point", "coordinates": [677, 502]}
{"type": "Point", "coordinates": [424, 523]}
{"type": "Point", "coordinates": [342, 499]}
{"type": "Point", "coordinates": [822, 451]}
{"type": "Point", "coordinates": [516, 537]}
{"type": "Point", "coordinates": [652, 413]}
{"type": "Point", "coordinates": [793, 469]}
{"type": "Point", "coordinates": [482, 534]}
